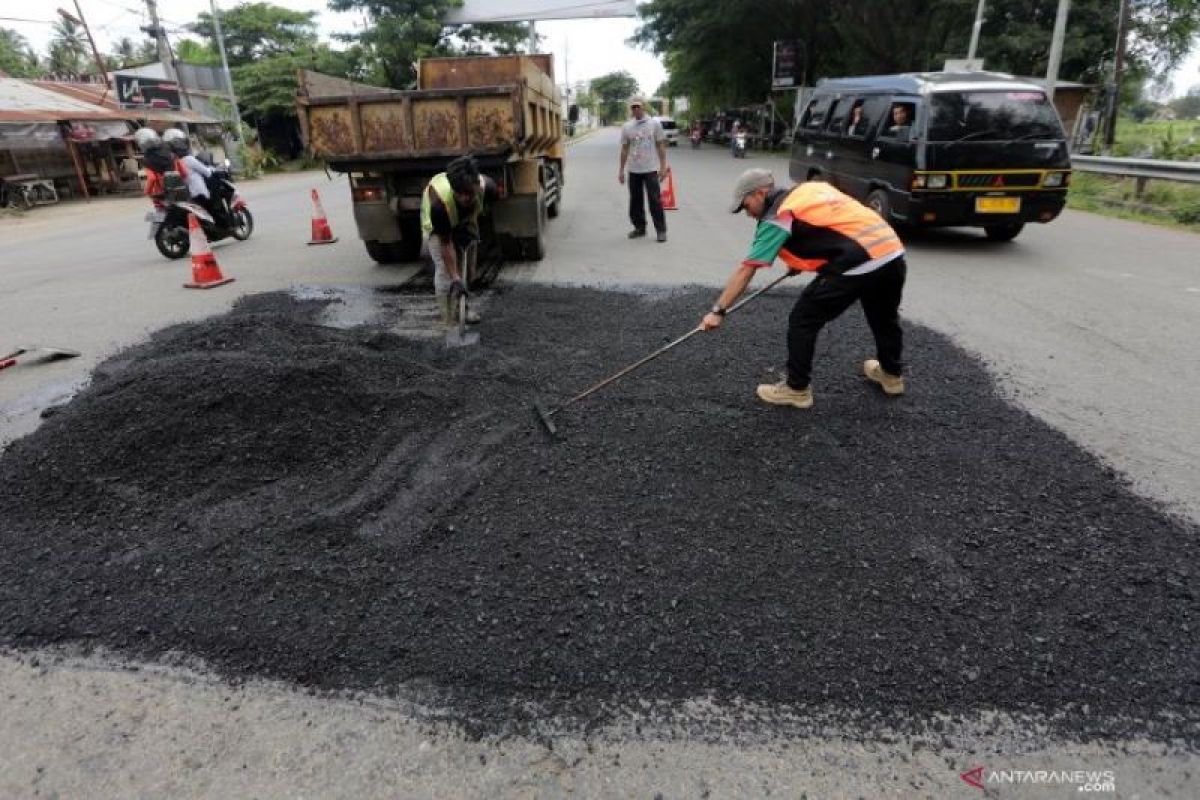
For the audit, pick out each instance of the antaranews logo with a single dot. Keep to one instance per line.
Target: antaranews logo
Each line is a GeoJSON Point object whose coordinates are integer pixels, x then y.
{"type": "Point", "coordinates": [973, 776]}
{"type": "Point", "coordinates": [1084, 780]}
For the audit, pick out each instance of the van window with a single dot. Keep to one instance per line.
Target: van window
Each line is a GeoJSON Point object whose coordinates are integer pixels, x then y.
{"type": "Point", "coordinates": [898, 124]}
{"type": "Point", "coordinates": [837, 115]}
{"type": "Point", "coordinates": [815, 114]}
{"type": "Point", "coordinates": [874, 109]}
{"type": "Point", "coordinates": [993, 115]}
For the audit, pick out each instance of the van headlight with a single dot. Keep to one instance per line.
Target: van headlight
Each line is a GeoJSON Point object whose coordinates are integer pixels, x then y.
{"type": "Point", "coordinates": [1053, 180]}
{"type": "Point", "coordinates": [931, 181]}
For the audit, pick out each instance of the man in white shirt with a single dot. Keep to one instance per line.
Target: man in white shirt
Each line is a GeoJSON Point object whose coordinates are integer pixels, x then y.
{"type": "Point", "coordinates": [197, 171]}
{"type": "Point", "coordinates": [644, 151]}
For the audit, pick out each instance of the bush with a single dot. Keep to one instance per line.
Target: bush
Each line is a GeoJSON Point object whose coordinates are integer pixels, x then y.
{"type": "Point", "coordinates": [1187, 214]}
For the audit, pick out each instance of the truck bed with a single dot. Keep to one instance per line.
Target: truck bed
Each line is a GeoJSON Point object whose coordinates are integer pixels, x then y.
{"type": "Point", "coordinates": [503, 107]}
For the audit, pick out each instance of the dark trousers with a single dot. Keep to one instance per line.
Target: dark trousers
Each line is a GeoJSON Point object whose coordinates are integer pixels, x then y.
{"type": "Point", "coordinates": [825, 299]}
{"type": "Point", "coordinates": [645, 182]}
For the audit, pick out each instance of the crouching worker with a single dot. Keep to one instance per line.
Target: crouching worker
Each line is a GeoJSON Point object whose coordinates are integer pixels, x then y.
{"type": "Point", "coordinates": [856, 257]}
{"type": "Point", "coordinates": [450, 209]}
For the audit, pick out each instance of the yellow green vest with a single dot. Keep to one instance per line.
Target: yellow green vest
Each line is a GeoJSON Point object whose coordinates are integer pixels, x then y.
{"type": "Point", "coordinates": [441, 185]}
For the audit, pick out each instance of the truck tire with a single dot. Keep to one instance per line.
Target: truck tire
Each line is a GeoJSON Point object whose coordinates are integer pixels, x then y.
{"type": "Point", "coordinates": [386, 252]}
{"type": "Point", "coordinates": [410, 243]}
{"type": "Point", "coordinates": [1003, 233]}
{"type": "Point", "coordinates": [535, 246]}
{"type": "Point", "coordinates": [552, 209]}
{"type": "Point", "coordinates": [879, 202]}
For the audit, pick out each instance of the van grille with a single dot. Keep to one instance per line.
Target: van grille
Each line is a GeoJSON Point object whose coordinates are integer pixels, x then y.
{"type": "Point", "coordinates": [998, 180]}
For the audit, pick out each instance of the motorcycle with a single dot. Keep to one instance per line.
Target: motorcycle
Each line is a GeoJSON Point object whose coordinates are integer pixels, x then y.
{"type": "Point", "coordinates": [169, 219]}
{"type": "Point", "coordinates": [695, 137]}
{"type": "Point", "coordinates": [739, 145]}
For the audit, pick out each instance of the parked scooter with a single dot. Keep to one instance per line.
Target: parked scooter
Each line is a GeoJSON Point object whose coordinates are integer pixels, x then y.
{"type": "Point", "coordinates": [695, 137]}
{"type": "Point", "coordinates": [739, 144]}
{"type": "Point", "coordinates": [169, 219]}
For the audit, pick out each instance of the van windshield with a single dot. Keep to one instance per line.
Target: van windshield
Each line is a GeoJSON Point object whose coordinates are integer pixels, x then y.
{"type": "Point", "coordinates": [992, 115]}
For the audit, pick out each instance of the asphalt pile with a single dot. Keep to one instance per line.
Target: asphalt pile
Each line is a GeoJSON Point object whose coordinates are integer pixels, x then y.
{"type": "Point", "coordinates": [354, 510]}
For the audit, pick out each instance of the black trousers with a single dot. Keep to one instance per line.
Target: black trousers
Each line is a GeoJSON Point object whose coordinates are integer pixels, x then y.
{"type": "Point", "coordinates": [825, 299]}
{"type": "Point", "coordinates": [645, 182]}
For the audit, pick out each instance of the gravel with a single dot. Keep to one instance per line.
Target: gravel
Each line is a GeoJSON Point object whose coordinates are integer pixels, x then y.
{"type": "Point", "coordinates": [357, 510]}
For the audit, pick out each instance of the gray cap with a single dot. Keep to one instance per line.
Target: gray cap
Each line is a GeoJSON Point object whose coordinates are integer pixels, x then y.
{"type": "Point", "coordinates": [750, 180]}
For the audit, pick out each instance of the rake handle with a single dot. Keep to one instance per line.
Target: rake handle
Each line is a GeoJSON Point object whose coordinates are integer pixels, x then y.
{"type": "Point", "coordinates": [666, 347]}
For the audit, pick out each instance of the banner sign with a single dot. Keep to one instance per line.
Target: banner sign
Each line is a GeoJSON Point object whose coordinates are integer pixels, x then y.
{"type": "Point", "coordinates": [134, 91]}
{"type": "Point", "coordinates": [787, 64]}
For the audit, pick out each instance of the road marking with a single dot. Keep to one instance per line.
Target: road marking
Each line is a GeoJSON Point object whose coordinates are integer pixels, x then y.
{"type": "Point", "coordinates": [1192, 289]}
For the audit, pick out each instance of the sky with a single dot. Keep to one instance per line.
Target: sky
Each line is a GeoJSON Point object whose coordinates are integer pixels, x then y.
{"type": "Point", "coordinates": [591, 47]}
{"type": "Point", "coordinates": [583, 49]}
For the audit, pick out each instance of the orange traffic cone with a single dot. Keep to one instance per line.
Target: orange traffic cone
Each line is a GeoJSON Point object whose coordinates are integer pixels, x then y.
{"type": "Point", "coordinates": [321, 232]}
{"type": "Point", "coordinates": [668, 192]}
{"type": "Point", "coordinates": [206, 273]}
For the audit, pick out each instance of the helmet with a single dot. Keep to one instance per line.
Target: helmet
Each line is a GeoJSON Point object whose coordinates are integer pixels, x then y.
{"type": "Point", "coordinates": [177, 140]}
{"type": "Point", "coordinates": [146, 138]}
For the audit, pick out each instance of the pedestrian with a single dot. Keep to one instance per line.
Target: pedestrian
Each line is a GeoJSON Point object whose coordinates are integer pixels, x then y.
{"type": "Point", "coordinates": [450, 209]}
{"type": "Point", "coordinates": [855, 255]}
{"type": "Point", "coordinates": [644, 151]}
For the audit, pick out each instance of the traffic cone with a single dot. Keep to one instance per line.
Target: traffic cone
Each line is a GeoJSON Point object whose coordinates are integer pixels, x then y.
{"type": "Point", "coordinates": [206, 273]}
{"type": "Point", "coordinates": [321, 232]}
{"type": "Point", "coordinates": [668, 192]}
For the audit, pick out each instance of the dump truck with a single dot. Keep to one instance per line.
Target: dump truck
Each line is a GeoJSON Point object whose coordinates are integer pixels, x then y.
{"type": "Point", "coordinates": [505, 111]}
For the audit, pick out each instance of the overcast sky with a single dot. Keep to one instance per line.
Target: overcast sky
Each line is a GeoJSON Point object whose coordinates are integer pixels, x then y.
{"type": "Point", "coordinates": [592, 47]}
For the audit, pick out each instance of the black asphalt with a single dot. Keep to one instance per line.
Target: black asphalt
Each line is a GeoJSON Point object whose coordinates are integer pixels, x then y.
{"type": "Point", "coordinates": [347, 509]}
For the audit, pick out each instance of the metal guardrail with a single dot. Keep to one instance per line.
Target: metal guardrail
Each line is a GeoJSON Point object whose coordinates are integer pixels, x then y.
{"type": "Point", "coordinates": [1142, 168]}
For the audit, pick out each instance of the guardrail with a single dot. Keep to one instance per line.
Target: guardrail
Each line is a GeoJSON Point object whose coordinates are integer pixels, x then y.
{"type": "Point", "coordinates": [1143, 169]}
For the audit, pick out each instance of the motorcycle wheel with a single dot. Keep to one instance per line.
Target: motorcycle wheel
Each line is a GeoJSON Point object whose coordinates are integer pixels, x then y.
{"type": "Point", "coordinates": [243, 224]}
{"type": "Point", "coordinates": [172, 241]}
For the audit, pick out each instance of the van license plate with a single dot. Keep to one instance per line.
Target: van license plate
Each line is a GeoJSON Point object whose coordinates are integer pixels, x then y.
{"type": "Point", "coordinates": [997, 205]}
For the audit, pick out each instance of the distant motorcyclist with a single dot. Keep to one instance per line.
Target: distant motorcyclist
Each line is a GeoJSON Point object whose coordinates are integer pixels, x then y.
{"type": "Point", "coordinates": [197, 175]}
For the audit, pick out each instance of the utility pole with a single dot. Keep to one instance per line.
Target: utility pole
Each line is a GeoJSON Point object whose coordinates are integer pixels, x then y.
{"type": "Point", "coordinates": [975, 30]}
{"type": "Point", "coordinates": [155, 29]}
{"type": "Point", "coordinates": [1110, 131]}
{"type": "Point", "coordinates": [1056, 47]}
{"type": "Point", "coordinates": [237, 117]}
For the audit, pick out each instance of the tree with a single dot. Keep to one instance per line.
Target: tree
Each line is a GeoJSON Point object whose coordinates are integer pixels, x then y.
{"type": "Point", "coordinates": [16, 59]}
{"type": "Point", "coordinates": [405, 31]}
{"type": "Point", "coordinates": [189, 51]}
{"type": "Point", "coordinates": [68, 53]}
{"type": "Point", "coordinates": [1188, 106]}
{"type": "Point", "coordinates": [720, 53]}
{"type": "Point", "coordinates": [613, 90]}
{"type": "Point", "coordinates": [127, 54]}
{"type": "Point", "coordinates": [254, 31]}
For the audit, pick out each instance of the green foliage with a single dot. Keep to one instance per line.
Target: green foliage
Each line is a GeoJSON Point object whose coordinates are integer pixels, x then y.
{"type": "Point", "coordinates": [258, 30]}
{"type": "Point", "coordinates": [127, 54]}
{"type": "Point", "coordinates": [189, 51]}
{"type": "Point", "coordinates": [719, 54]}
{"type": "Point", "coordinates": [16, 58]}
{"type": "Point", "coordinates": [613, 90]}
{"type": "Point", "coordinates": [405, 31]}
{"type": "Point", "coordinates": [1161, 202]}
{"type": "Point", "coordinates": [67, 50]}
{"type": "Point", "coordinates": [267, 86]}
{"type": "Point", "coordinates": [1188, 106]}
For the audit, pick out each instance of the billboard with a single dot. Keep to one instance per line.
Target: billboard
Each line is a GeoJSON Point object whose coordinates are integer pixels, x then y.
{"type": "Point", "coordinates": [134, 91]}
{"type": "Point", "coordinates": [787, 69]}
{"type": "Point", "coordinates": [474, 11]}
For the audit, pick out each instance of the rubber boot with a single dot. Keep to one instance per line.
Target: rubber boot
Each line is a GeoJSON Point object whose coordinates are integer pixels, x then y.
{"type": "Point", "coordinates": [446, 313]}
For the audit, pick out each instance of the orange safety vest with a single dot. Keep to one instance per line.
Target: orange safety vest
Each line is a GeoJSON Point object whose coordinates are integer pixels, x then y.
{"type": "Point", "coordinates": [832, 228]}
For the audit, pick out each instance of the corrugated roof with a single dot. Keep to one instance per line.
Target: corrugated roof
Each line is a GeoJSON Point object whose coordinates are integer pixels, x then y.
{"type": "Point", "coordinates": [23, 101]}
{"type": "Point", "coordinates": [93, 92]}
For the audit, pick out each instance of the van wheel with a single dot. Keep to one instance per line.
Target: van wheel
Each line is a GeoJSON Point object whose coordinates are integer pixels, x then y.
{"type": "Point", "coordinates": [879, 202]}
{"type": "Point", "coordinates": [385, 252]}
{"type": "Point", "coordinates": [1004, 233]}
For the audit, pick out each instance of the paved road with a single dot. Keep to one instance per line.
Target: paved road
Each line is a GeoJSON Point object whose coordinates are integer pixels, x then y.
{"type": "Point", "coordinates": [1088, 322]}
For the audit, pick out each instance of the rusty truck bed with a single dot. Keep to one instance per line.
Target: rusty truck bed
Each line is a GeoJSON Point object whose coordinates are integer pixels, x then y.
{"type": "Point", "coordinates": [503, 106]}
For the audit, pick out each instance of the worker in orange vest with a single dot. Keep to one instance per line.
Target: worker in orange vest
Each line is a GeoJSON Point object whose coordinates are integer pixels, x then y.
{"type": "Point", "coordinates": [855, 255]}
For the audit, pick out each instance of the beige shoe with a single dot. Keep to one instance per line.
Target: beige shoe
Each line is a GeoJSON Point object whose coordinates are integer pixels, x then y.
{"type": "Point", "coordinates": [891, 384]}
{"type": "Point", "coordinates": [780, 394]}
